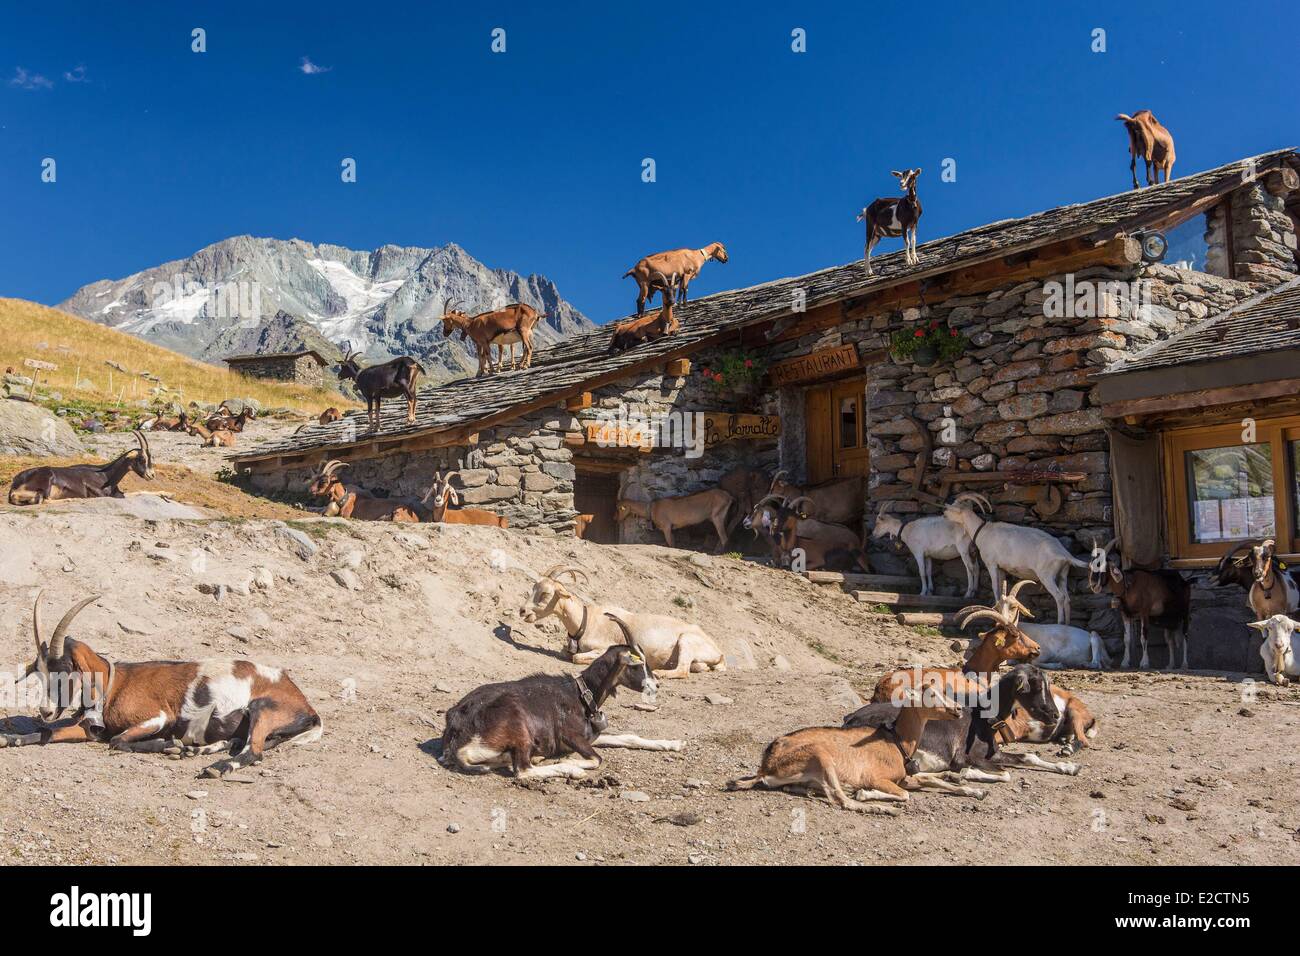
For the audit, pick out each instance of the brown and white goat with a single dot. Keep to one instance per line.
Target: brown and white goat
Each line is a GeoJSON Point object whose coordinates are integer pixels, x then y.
{"type": "Point", "coordinates": [677, 266]}
{"type": "Point", "coordinates": [172, 707]}
{"type": "Point", "coordinates": [33, 486]}
{"type": "Point", "coordinates": [501, 328]}
{"type": "Point", "coordinates": [1272, 591]}
{"type": "Point", "coordinates": [790, 529]}
{"type": "Point", "coordinates": [634, 332]}
{"type": "Point", "coordinates": [521, 723]}
{"type": "Point", "coordinates": [894, 217]}
{"type": "Point", "coordinates": [683, 511]}
{"type": "Point", "coordinates": [442, 495]}
{"type": "Point", "coordinates": [870, 762]}
{"type": "Point", "coordinates": [673, 648]}
{"type": "Point", "coordinates": [345, 502]}
{"type": "Point", "coordinates": [224, 421]}
{"type": "Point", "coordinates": [1150, 140]}
{"type": "Point", "coordinates": [1162, 598]}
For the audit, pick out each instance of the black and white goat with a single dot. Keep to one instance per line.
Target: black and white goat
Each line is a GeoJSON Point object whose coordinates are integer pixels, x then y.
{"type": "Point", "coordinates": [520, 723]}
{"type": "Point", "coordinates": [172, 707]}
{"type": "Point", "coordinates": [893, 218]}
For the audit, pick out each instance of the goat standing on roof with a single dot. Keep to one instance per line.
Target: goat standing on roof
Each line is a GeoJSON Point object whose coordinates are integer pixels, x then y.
{"type": "Point", "coordinates": [893, 218]}
{"type": "Point", "coordinates": [172, 707]}
{"type": "Point", "coordinates": [680, 266]}
{"type": "Point", "coordinates": [392, 378]}
{"type": "Point", "coordinates": [1150, 140]}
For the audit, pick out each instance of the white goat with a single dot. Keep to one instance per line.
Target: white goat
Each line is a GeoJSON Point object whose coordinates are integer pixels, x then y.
{"type": "Point", "coordinates": [1014, 549]}
{"type": "Point", "coordinates": [1281, 660]}
{"type": "Point", "coordinates": [672, 648]}
{"type": "Point", "coordinates": [928, 538]}
{"type": "Point", "coordinates": [1060, 645]}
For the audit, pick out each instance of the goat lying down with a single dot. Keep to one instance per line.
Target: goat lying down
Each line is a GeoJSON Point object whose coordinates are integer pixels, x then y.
{"type": "Point", "coordinates": [521, 723]}
{"type": "Point", "coordinates": [172, 707]}
{"type": "Point", "coordinates": [1059, 645]}
{"type": "Point", "coordinates": [968, 745]}
{"type": "Point", "coordinates": [672, 648]}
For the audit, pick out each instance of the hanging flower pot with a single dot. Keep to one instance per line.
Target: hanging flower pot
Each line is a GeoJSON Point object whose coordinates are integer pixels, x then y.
{"type": "Point", "coordinates": [926, 344]}
{"type": "Point", "coordinates": [925, 355]}
{"type": "Point", "coordinates": [735, 374]}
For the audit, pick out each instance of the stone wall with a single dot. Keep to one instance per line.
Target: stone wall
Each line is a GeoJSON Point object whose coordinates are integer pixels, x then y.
{"type": "Point", "coordinates": [1263, 236]}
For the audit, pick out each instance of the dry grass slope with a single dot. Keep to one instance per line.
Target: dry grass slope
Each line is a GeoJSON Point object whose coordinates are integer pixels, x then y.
{"type": "Point", "coordinates": [82, 347]}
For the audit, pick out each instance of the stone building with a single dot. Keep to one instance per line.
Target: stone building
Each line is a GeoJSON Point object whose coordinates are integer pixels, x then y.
{"type": "Point", "coordinates": [1041, 309]}
{"type": "Point", "coordinates": [306, 367]}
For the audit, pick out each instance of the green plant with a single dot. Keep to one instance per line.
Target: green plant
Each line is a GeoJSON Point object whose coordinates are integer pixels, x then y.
{"type": "Point", "coordinates": [946, 341]}
{"type": "Point", "coordinates": [732, 369]}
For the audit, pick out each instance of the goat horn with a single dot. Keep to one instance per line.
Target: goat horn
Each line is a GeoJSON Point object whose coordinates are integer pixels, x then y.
{"type": "Point", "coordinates": [627, 636]}
{"type": "Point", "coordinates": [61, 629]}
{"type": "Point", "coordinates": [886, 506]}
{"type": "Point", "coordinates": [36, 621]}
{"type": "Point", "coordinates": [1109, 544]}
{"type": "Point", "coordinates": [977, 498]}
{"type": "Point", "coordinates": [795, 504]}
{"type": "Point", "coordinates": [766, 498]}
{"type": "Point", "coordinates": [560, 570]}
{"type": "Point", "coordinates": [780, 474]}
{"type": "Point", "coordinates": [1015, 588]}
{"type": "Point", "coordinates": [446, 479]}
{"type": "Point", "coordinates": [988, 612]}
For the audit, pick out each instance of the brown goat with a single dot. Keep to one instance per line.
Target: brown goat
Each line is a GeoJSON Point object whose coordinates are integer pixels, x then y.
{"type": "Point", "coordinates": [682, 265]}
{"type": "Point", "coordinates": [838, 501]}
{"type": "Point", "coordinates": [443, 494]}
{"type": "Point", "coordinates": [636, 331]}
{"type": "Point", "coordinates": [581, 524]}
{"type": "Point", "coordinates": [500, 327]}
{"type": "Point", "coordinates": [345, 502]}
{"type": "Point", "coordinates": [330, 414]}
{"type": "Point", "coordinates": [1150, 140]}
{"type": "Point", "coordinates": [682, 512]}
{"type": "Point", "coordinates": [221, 438]}
{"type": "Point", "coordinates": [1162, 598]}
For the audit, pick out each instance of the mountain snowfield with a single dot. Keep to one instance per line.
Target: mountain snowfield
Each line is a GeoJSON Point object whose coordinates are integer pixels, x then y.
{"type": "Point", "coordinates": [247, 292]}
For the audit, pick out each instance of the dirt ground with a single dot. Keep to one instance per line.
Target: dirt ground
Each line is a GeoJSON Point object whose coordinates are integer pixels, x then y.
{"type": "Point", "coordinates": [1187, 768]}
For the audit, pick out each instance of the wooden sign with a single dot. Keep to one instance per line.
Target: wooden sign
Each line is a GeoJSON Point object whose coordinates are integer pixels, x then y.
{"type": "Point", "coordinates": [724, 426]}
{"type": "Point", "coordinates": [806, 368]}
{"type": "Point", "coordinates": [615, 435]}
{"type": "Point", "coordinates": [40, 366]}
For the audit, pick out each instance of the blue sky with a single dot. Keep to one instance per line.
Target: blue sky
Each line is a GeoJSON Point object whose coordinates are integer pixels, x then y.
{"type": "Point", "coordinates": [531, 159]}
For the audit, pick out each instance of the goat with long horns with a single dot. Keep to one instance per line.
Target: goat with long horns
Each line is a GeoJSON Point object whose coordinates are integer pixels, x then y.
{"type": "Point", "coordinates": [50, 483]}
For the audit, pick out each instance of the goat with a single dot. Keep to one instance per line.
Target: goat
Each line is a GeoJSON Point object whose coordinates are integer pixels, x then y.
{"type": "Point", "coordinates": [345, 502]}
{"type": "Point", "coordinates": [839, 501]}
{"type": "Point", "coordinates": [894, 217]}
{"type": "Point", "coordinates": [179, 423]}
{"type": "Point", "coordinates": [637, 331]}
{"type": "Point", "coordinates": [747, 486]}
{"type": "Point", "coordinates": [523, 722]}
{"type": "Point", "coordinates": [1271, 591]}
{"type": "Point", "coordinates": [968, 745]}
{"type": "Point", "coordinates": [672, 648]}
{"type": "Point", "coordinates": [789, 528]}
{"type": "Point", "coordinates": [221, 438]}
{"type": "Point", "coordinates": [230, 423]}
{"type": "Point", "coordinates": [1009, 548]}
{"type": "Point", "coordinates": [392, 378]}
{"type": "Point", "coordinates": [1060, 645]}
{"type": "Point", "coordinates": [172, 707]}
{"type": "Point", "coordinates": [1074, 727]}
{"type": "Point", "coordinates": [712, 505]}
{"type": "Point", "coordinates": [33, 486]}
{"type": "Point", "coordinates": [871, 761]}
{"type": "Point", "coordinates": [1163, 598]}
{"type": "Point", "coordinates": [580, 525]}
{"type": "Point", "coordinates": [443, 494]}
{"type": "Point", "coordinates": [1281, 660]}
{"type": "Point", "coordinates": [1150, 140]}
{"type": "Point", "coordinates": [682, 265]}
{"type": "Point", "coordinates": [330, 414]}
{"type": "Point", "coordinates": [928, 538]}
{"type": "Point", "coordinates": [501, 327]}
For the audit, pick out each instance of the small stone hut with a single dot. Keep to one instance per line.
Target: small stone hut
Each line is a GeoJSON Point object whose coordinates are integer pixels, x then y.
{"type": "Point", "coordinates": [305, 368]}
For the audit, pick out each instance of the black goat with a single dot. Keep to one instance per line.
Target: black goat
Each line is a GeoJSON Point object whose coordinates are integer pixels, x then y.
{"type": "Point", "coordinates": [392, 378]}
{"type": "Point", "coordinates": [52, 482]}
{"type": "Point", "coordinates": [968, 746]}
{"type": "Point", "coordinates": [520, 722]}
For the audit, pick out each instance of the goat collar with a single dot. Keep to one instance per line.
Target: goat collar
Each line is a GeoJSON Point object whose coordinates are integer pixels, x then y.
{"type": "Point", "coordinates": [94, 715]}
{"type": "Point", "coordinates": [582, 627]}
{"type": "Point", "coordinates": [976, 536]}
{"type": "Point", "coordinates": [589, 706]}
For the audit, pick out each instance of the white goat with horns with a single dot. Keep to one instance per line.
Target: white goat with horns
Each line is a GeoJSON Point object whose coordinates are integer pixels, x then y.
{"type": "Point", "coordinates": [1007, 548]}
{"type": "Point", "coordinates": [1059, 645]}
{"type": "Point", "coordinates": [933, 536]}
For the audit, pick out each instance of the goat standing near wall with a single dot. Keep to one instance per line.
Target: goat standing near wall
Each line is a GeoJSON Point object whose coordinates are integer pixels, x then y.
{"type": "Point", "coordinates": [678, 266]}
{"type": "Point", "coordinates": [388, 380]}
{"type": "Point", "coordinates": [1162, 598]}
{"type": "Point", "coordinates": [893, 218]}
{"type": "Point", "coordinates": [928, 538]}
{"type": "Point", "coordinates": [683, 511]}
{"type": "Point", "coordinates": [33, 486]}
{"type": "Point", "coordinates": [839, 501]}
{"type": "Point", "coordinates": [1150, 140]}
{"type": "Point", "coordinates": [172, 707]}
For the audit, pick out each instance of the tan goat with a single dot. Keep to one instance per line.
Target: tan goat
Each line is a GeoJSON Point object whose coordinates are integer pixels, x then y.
{"type": "Point", "coordinates": [682, 512]}
{"type": "Point", "coordinates": [443, 494]}
{"type": "Point", "coordinates": [501, 327]}
{"type": "Point", "coordinates": [1150, 140]}
{"type": "Point", "coordinates": [681, 265]}
{"type": "Point", "coordinates": [345, 502]}
{"type": "Point", "coordinates": [648, 328]}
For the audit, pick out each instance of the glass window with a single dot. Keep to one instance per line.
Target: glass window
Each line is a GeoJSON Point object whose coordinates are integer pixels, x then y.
{"type": "Point", "coordinates": [1230, 492]}
{"type": "Point", "coordinates": [848, 422]}
{"type": "Point", "coordinates": [1187, 246]}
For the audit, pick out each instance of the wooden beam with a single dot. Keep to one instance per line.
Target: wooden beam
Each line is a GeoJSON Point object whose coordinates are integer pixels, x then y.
{"type": "Point", "coordinates": [578, 402]}
{"type": "Point", "coordinates": [1282, 181]}
{"type": "Point", "coordinates": [1138, 407]}
{"type": "Point", "coordinates": [678, 368]}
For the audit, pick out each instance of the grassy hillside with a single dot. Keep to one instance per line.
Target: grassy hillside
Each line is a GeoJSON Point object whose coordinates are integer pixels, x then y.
{"type": "Point", "coordinates": [83, 348]}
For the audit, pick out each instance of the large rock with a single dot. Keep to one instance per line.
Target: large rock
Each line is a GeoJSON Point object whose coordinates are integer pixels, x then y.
{"type": "Point", "coordinates": [27, 429]}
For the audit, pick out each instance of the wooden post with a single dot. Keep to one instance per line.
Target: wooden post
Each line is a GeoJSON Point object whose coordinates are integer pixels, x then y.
{"type": "Point", "coordinates": [578, 402]}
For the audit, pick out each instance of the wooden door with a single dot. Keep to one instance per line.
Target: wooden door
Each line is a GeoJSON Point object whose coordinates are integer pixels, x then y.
{"type": "Point", "coordinates": [835, 431]}
{"type": "Point", "coordinates": [596, 494]}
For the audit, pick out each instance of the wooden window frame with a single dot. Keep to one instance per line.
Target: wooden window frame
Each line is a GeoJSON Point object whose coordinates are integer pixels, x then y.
{"type": "Point", "coordinates": [1175, 443]}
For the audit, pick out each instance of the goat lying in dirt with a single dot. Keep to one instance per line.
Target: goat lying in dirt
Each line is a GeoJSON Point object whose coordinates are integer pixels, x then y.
{"type": "Point", "coordinates": [673, 648]}
{"type": "Point", "coordinates": [521, 723]}
{"type": "Point", "coordinates": [871, 761]}
{"type": "Point", "coordinates": [968, 745]}
{"type": "Point", "coordinates": [53, 482]}
{"type": "Point", "coordinates": [171, 707]}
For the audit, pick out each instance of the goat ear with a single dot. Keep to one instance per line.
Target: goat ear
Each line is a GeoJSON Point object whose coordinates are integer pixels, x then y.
{"type": "Point", "coordinates": [1116, 573]}
{"type": "Point", "coordinates": [1258, 625]}
{"type": "Point", "coordinates": [895, 172]}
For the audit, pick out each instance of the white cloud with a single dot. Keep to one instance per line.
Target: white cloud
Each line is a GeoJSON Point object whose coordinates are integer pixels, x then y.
{"type": "Point", "coordinates": [311, 68]}
{"type": "Point", "coordinates": [29, 81]}
{"type": "Point", "coordinates": [77, 75]}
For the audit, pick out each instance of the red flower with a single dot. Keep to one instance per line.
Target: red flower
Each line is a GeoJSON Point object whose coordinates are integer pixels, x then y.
{"type": "Point", "coordinates": [934, 326]}
{"type": "Point", "coordinates": [707, 373]}
{"type": "Point", "coordinates": [952, 333]}
{"type": "Point", "coordinates": [920, 334]}
{"type": "Point", "coordinates": [749, 363]}
{"type": "Point", "coordinates": [718, 377]}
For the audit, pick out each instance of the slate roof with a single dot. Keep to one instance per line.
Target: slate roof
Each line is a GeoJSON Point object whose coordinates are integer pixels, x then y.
{"type": "Point", "coordinates": [1263, 323]}
{"type": "Point", "coordinates": [276, 355]}
{"type": "Point", "coordinates": [584, 358]}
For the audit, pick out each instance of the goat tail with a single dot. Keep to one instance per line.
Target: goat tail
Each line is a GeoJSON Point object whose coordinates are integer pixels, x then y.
{"type": "Point", "coordinates": [1078, 562]}
{"type": "Point", "coordinates": [629, 272]}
